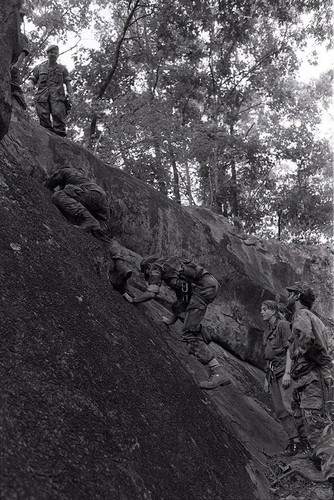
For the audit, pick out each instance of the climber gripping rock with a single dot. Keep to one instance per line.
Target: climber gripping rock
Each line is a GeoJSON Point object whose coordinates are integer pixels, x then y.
{"type": "Point", "coordinates": [85, 204]}
{"type": "Point", "coordinates": [195, 289]}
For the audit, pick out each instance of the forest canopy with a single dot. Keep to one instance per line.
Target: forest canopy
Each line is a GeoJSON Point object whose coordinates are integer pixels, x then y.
{"type": "Point", "coordinates": [201, 99]}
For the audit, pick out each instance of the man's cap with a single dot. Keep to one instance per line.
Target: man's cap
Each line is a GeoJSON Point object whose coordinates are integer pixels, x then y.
{"type": "Point", "coordinates": [303, 288]}
{"type": "Point", "coordinates": [52, 47]}
{"type": "Point", "coordinates": [297, 286]}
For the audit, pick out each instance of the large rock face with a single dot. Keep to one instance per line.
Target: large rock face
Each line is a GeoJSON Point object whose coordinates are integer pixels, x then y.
{"type": "Point", "coordinates": [101, 399]}
{"type": "Point", "coordinates": [9, 39]}
{"type": "Point", "coordinates": [249, 269]}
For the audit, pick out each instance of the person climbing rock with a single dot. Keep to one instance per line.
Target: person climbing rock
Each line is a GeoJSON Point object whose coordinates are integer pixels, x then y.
{"type": "Point", "coordinates": [50, 78]}
{"type": "Point", "coordinates": [278, 378]}
{"type": "Point", "coordinates": [195, 289]}
{"type": "Point", "coordinates": [17, 59]}
{"type": "Point", "coordinates": [313, 382]}
{"type": "Point", "coordinates": [85, 204]}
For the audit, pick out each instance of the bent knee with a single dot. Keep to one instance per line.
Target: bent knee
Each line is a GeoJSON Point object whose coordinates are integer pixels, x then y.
{"type": "Point", "coordinates": [57, 196]}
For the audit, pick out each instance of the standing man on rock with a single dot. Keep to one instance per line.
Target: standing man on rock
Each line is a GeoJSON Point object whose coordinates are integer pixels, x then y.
{"type": "Point", "coordinates": [195, 289]}
{"type": "Point", "coordinates": [313, 383]}
{"type": "Point", "coordinates": [50, 78]}
{"type": "Point", "coordinates": [85, 204]}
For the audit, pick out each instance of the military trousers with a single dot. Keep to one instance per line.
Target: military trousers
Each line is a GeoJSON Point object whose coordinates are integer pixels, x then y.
{"type": "Point", "coordinates": [313, 419]}
{"type": "Point", "coordinates": [282, 399]}
{"type": "Point", "coordinates": [54, 108]}
{"type": "Point", "coordinates": [83, 204]}
{"type": "Point", "coordinates": [203, 294]}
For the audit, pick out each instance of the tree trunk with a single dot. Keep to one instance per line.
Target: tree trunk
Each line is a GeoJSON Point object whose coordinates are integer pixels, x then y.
{"type": "Point", "coordinates": [279, 221]}
{"type": "Point", "coordinates": [91, 131]}
{"type": "Point", "coordinates": [159, 170]}
{"type": "Point", "coordinates": [188, 184]}
{"type": "Point", "coordinates": [234, 189]}
{"type": "Point", "coordinates": [176, 184]}
{"type": "Point", "coordinates": [234, 184]}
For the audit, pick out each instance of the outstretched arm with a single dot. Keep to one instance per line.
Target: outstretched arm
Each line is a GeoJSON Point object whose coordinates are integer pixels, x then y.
{"type": "Point", "coordinates": [144, 297]}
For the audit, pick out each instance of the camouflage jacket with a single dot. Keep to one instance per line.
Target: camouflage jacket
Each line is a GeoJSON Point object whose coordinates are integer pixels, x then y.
{"type": "Point", "coordinates": [68, 175]}
{"type": "Point", "coordinates": [50, 81]}
{"type": "Point", "coordinates": [175, 272]}
{"type": "Point", "coordinates": [276, 343]}
{"type": "Point", "coordinates": [309, 343]}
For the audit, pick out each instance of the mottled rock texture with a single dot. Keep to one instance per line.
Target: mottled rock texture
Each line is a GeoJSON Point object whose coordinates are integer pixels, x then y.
{"type": "Point", "coordinates": [9, 39]}
{"type": "Point", "coordinates": [100, 399]}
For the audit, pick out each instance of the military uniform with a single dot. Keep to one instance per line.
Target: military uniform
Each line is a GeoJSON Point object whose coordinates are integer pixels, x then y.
{"type": "Point", "coordinates": [195, 289]}
{"type": "Point", "coordinates": [15, 73]}
{"type": "Point", "coordinates": [311, 372]}
{"type": "Point", "coordinates": [85, 203]}
{"type": "Point", "coordinates": [79, 198]}
{"type": "Point", "coordinates": [50, 95]}
{"type": "Point", "coordinates": [276, 344]}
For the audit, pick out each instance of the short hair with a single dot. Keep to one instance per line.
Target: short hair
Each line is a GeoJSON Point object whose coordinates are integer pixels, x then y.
{"type": "Point", "coordinates": [271, 304]}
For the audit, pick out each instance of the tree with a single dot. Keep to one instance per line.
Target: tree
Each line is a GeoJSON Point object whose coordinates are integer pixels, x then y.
{"type": "Point", "coordinates": [201, 100]}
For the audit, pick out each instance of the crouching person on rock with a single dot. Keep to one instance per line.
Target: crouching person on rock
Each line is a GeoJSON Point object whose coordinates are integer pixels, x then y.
{"type": "Point", "coordinates": [85, 204]}
{"type": "Point", "coordinates": [278, 374]}
{"type": "Point", "coordinates": [195, 289]}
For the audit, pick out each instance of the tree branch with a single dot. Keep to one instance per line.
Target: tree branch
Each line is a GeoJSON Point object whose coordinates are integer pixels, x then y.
{"type": "Point", "coordinates": [111, 73]}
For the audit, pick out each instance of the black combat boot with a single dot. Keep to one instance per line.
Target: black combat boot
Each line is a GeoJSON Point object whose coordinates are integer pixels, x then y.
{"type": "Point", "coordinates": [216, 378]}
{"type": "Point", "coordinates": [123, 273]}
{"type": "Point", "coordinates": [291, 450]}
{"type": "Point", "coordinates": [305, 450]}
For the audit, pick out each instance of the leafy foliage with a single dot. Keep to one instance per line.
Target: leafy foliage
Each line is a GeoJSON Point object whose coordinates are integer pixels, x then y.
{"type": "Point", "coordinates": [201, 100]}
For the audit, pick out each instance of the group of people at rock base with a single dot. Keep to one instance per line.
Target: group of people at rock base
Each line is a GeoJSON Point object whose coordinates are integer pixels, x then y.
{"type": "Point", "coordinates": [300, 377]}
{"type": "Point", "coordinates": [51, 79]}
{"type": "Point", "coordinates": [300, 369]}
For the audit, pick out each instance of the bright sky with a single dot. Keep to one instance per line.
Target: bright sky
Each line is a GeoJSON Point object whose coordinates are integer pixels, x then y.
{"type": "Point", "coordinates": [307, 71]}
